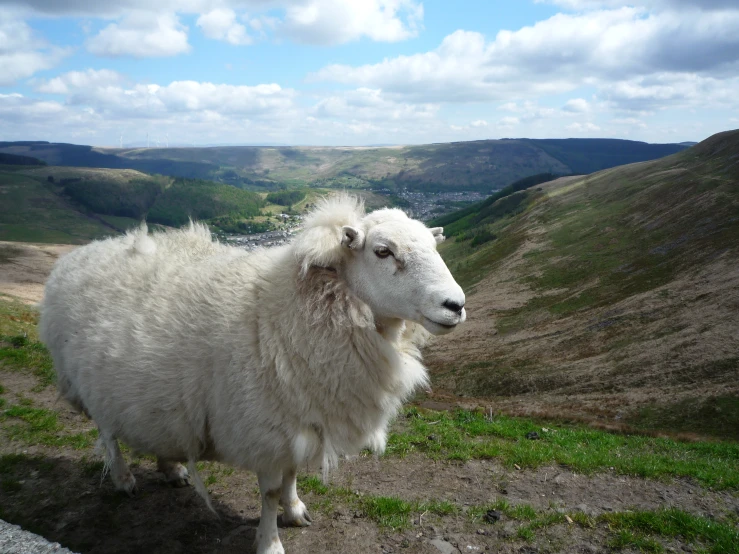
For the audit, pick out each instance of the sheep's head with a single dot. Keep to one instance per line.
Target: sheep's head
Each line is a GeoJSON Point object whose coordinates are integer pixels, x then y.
{"type": "Point", "coordinates": [387, 260]}
{"type": "Point", "coordinates": [393, 266]}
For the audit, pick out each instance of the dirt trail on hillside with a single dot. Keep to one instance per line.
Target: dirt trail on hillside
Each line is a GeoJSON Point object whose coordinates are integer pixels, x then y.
{"type": "Point", "coordinates": [24, 268]}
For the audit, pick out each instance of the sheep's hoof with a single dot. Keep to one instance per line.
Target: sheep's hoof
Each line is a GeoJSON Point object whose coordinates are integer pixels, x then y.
{"type": "Point", "coordinates": [175, 474]}
{"type": "Point", "coordinates": [296, 516]}
{"type": "Point", "coordinates": [126, 483]}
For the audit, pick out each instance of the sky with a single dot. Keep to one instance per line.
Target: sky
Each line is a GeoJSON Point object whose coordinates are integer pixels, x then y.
{"type": "Point", "coordinates": [366, 72]}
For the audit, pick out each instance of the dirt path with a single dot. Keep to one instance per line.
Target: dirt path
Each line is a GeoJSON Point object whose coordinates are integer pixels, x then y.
{"type": "Point", "coordinates": [24, 268]}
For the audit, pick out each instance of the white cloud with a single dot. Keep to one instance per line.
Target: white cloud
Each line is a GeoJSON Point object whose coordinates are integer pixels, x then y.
{"type": "Point", "coordinates": [671, 90]}
{"type": "Point", "coordinates": [185, 99]}
{"type": "Point", "coordinates": [141, 34]}
{"type": "Point", "coordinates": [576, 105]}
{"type": "Point", "coordinates": [629, 121]}
{"type": "Point", "coordinates": [22, 53]}
{"type": "Point", "coordinates": [320, 22]}
{"type": "Point", "coordinates": [529, 111]}
{"type": "Point", "coordinates": [479, 123]}
{"type": "Point", "coordinates": [97, 112]}
{"type": "Point", "coordinates": [557, 55]}
{"type": "Point", "coordinates": [340, 21]}
{"type": "Point", "coordinates": [370, 105]}
{"type": "Point", "coordinates": [220, 24]}
{"type": "Point", "coordinates": [586, 127]}
{"type": "Point", "coordinates": [508, 122]}
{"type": "Point", "coordinates": [79, 80]}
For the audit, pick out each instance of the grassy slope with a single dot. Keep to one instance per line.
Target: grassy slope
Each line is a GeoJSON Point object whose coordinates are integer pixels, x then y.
{"type": "Point", "coordinates": [30, 211]}
{"type": "Point", "coordinates": [615, 284]}
{"type": "Point", "coordinates": [82, 204]}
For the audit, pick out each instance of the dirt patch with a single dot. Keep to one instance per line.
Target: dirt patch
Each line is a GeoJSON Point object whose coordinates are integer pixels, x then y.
{"type": "Point", "coordinates": [25, 267]}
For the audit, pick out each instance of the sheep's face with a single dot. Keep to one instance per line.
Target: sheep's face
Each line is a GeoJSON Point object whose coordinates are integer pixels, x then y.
{"type": "Point", "coordinates": [394, 267]}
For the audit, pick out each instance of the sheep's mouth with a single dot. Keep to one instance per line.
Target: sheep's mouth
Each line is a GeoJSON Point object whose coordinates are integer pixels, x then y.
{"type": "Point", "coordinates": [436, 327]}
{"type": "Point", "coordinates": [444, 325]}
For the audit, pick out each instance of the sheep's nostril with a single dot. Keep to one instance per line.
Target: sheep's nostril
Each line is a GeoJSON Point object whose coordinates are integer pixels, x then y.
{"type": "Point", "coordinates": [453, 306]}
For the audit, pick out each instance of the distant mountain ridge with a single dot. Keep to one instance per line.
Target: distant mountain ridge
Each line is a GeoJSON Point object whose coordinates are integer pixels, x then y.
{"type": "Point", "coordinates": [483, 166]}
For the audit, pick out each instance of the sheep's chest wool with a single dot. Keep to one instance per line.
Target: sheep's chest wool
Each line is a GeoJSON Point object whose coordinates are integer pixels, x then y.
{"type": "Point", "coordinates": [188, 349]}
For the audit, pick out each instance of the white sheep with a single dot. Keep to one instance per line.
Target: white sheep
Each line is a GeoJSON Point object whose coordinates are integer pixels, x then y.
{"type": "Point", "coordinates": [268, 360]}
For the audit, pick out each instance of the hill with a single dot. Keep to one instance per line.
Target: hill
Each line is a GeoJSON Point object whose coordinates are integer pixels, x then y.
{"type": "Point", "coordinates": [484, 165]}
{"type": "Point", "coordinates": [74, 205]}
{"type": "Point", "coordinates": [31, 210]}
{"type": "Point", "coordinates": [610, 297]}
{"type": "Point", "coordinates": [14, 159]}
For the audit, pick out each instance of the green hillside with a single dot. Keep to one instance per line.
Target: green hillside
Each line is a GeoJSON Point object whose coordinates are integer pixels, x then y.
{"type": "Point", "coordinates": [74, 204]}
{"type": "Point", "coordinates": [14, 159]}
{"type": "Point", "coordinates": [32, 211]}
{"type": "Point", "coordinates": [611, 296]}
{"type": "Point", "coordinates": [201, 200]}
{"type": "Point", "coordinates": [484, 165]}
{"type": "Point", "coordinates": [584, 156]}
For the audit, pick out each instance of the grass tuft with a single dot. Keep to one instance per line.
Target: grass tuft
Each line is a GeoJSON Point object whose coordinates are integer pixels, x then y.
{"type": "Point", "coordinates": [41, 426]}
{"type": "Point", "coordinates": [719, 537]}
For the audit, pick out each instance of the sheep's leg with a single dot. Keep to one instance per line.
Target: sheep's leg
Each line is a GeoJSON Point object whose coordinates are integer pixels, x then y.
{"type": "Point", "coordinates": [296, 514]}
{"type": "Point", "coordinates": [270, 486]}
{"type": "Point", "coordinates": [114, 462]}
{"type": "Point", "coordinates": [174, 472]}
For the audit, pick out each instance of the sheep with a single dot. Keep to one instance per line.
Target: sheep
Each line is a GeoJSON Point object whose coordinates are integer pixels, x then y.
{"type": "Point", "coordinates": [268, 360]}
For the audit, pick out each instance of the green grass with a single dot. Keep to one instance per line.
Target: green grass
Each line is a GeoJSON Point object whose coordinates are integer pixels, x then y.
{"type": "Point", "coordinates": [387, 511]}
{"type": "Point", "coordinates": [20, 349]}
{"type": "Point", "coordinates": [628, 529]}
{"type": "Point", "coordinates": [212, 472]}
{"type": "Point", "coordinates": [31, 426]}
{"type": "Point", "coordinates": [636, 529]}
{"type": "Point", "coordinates": [627, 539]}
{"type": "Point", "coordinates": [21, 354]}
{"type": "Point", "coordinates": [465, 435]}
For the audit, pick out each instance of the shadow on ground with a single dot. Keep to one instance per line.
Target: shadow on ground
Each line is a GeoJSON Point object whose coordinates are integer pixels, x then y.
{"type": "Point", "coordinates": [66, 503]}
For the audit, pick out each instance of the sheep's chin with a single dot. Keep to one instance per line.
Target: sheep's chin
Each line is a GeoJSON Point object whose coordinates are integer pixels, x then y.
{"type": "Point", "coordinates": [436, 328]}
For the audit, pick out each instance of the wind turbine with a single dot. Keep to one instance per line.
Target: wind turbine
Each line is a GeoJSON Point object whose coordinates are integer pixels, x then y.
{"type": "Point", "coordinates": [167, 137]}
{"type": "Point", "coordinates": [156, 140]}
{"type": "Point", "coordinates": [147, 139]}
{"type": "Point", "coordinates": [121, 140]}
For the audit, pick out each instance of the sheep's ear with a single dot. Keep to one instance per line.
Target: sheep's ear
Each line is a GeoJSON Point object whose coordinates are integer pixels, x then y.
{"type": "Point", "coordinates": [352, 238]}
{"type": "Point", "coordinates": [438, 233]}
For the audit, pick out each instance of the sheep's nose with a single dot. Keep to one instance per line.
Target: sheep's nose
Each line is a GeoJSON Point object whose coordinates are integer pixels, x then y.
{"type": "Point", "coordinates": [453, 306]}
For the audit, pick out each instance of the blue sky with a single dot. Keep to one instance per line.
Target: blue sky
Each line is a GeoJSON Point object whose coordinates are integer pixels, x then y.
{"type": "Point", "coordinates": [354, 72]}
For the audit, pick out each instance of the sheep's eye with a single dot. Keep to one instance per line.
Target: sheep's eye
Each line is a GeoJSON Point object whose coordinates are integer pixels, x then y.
{"type": "Point", "coordinates": [383, 252]}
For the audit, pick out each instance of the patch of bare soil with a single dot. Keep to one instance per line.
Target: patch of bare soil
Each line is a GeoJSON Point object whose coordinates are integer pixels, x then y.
{"type": "Point", "coordinates": [25, 267]}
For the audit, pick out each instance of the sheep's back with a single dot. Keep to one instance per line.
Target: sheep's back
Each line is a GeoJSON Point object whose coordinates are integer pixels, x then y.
{"type": "Point", "coordinates": [132, 324]}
